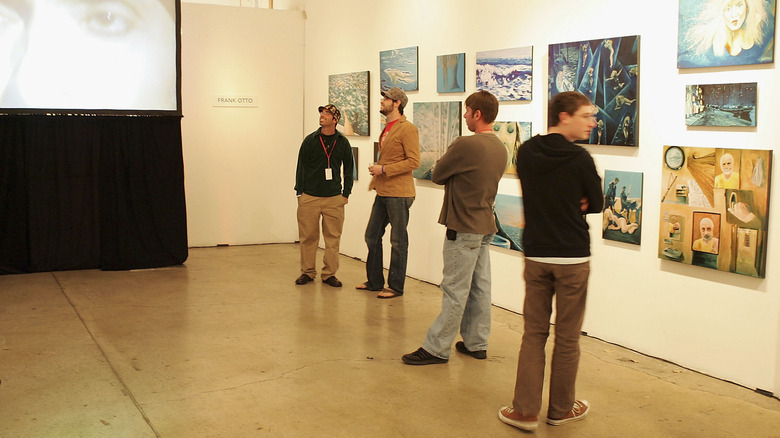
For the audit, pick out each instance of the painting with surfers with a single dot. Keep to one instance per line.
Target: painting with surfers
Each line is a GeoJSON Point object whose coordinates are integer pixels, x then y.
{"type": "Point", "coordinates": [714, 206]}
{"type": "Point", "coordinates": [607, 71]}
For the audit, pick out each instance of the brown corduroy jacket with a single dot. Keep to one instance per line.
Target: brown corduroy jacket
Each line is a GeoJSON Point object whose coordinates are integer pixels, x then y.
{"type": "Point", "coordinates": [400, 155]}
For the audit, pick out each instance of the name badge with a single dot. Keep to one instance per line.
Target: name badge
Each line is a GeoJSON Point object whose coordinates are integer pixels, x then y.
{"type": "Point", "coordinates": [328, 174]}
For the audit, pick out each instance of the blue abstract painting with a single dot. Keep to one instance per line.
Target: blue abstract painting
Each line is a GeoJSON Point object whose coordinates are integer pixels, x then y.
{"type": "Point", "coordinates": [451, 73]}
{"type": "Point", "coordinates": [506, 73]}
{"type": "Point", "coordinates": [398, 68]}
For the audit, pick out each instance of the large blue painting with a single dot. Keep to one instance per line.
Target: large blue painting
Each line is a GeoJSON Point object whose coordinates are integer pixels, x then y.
{"type": "Point", "coordinates": [506, 73]}
{"type": "Point", "coordinates": [398, 68]}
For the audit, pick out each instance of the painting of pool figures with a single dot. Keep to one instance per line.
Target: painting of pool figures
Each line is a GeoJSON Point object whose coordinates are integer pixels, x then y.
{"type": "Point", "coordinates": [607, 71]}
{"type": "Point", "coordinates": [439, 124]}
{"type": "Point", "coordinates": [725, 32]}
{"type": "Point", "coordinates": [721, 104]}
{"type": "Point", "coordinates": [512, 135]}
{"type": "Point", "coordinates": [506, 73]}
{"type": "Point", "coordinates": [451, 73]}
{"type": "Point", "coordinates": [349, 92]}
{"type": "Point", "coordinates": [622, 216]}
{"type": "Point", "coordinates": [398, 68]}
{"type": "Point", "coordinates": [510, 221]}
{"type": "Point", "coordinates": [715, 207]}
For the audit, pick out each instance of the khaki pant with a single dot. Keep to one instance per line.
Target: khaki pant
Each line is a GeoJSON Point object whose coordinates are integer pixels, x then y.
{"type": "Point", "coordinates": [310, 209]}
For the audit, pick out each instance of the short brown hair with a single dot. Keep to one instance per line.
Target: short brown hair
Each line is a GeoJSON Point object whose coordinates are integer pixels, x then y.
{"type": "Point", "coordinates": [567, 102]}
{"type": "Point", "coordinates": [484, 102]}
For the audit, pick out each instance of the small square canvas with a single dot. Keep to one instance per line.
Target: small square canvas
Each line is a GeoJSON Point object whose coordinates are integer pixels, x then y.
{"type": "Point", "coordinates": [512, 134]}
{"type": "Point", "coordinates": [506, 73]}
{"type": "Point", "coordinates": [510, 221]}
{"type": "Point", "coordinates": [349, 92]}
{"type": "Point", "coordinates": [622, 219]}
{"type": "Point", "coordinates": [451, 73]}
{"type": "Point", "coordinates": [439, 124]}
{"type": "Point", "coordinates": [398, 68]}
{"type": "Point", "coordinates": [721, 104]}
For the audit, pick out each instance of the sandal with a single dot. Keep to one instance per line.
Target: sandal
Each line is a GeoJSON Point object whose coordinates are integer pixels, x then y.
{"type": "Point", "coordinates": [389, 293]}
{"type": "Point", "coordinates": [364, 286]}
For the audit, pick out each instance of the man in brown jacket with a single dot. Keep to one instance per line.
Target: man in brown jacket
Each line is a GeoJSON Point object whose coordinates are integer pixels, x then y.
{"type": "Point", "coordinates": [399, 155]}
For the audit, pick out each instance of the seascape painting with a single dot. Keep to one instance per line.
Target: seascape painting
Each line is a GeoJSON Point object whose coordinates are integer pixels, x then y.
{"type": "Point", "coordinates": [349, 92]}
{"type": "Point", "coordinates": [439, 124]}
{"type": "Point", "coordinates": [721, 104]}
{"type": "Point", "coordinates": [715, 33]}
{"type": "Point", "coordinates": [451, 73]}
{"type": "Point", "coordinates": [512, 134]}
{"type": "Point", "coordinates": [506, 73]}
{"type": "Point", "coordinates": [398, 68]}
{"type": "Point", "coordinates": [510, 221]}
{"type": "Point", "coordinates": [714, 208]}
{"type": "Point", "coordinates": [622, 216]}
{"type": "Point", "coordinates": [607, 71]}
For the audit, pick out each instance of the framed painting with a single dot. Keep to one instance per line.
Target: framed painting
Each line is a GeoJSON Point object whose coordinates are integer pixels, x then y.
{"type": "Point", "coordinates": [439, 124]}
{"type": "Point", "coordinates": [506, 73]}
{"type": "Point", "coordinates": [355, 159]}
{"type": "Point", "coordinates": [510, 221]}
{"type": "Point", "coordinates": [398, 68]}
{"type": "Point", "coordinates": [714, 208]}
{"type": "Point", "coordinates": [349, 92]}
{"type": "Point", "coordinates": [725, 32]}
{"type": "Point", "coordinates": [607, 71]}
{"type": "Point", "coordinates": [451, 73]}
{"type": "Point", "coordinates": [622, 216]}
{"type": "Point", "coordinates": [512, 135]}
{"type": "Point", "coordinates": [721, 104]}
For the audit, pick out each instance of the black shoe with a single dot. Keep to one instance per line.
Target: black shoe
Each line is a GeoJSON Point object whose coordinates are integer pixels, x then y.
{"type": "Point", "coordinates": [332, 281]}
{"type": "Point", "coordinates": [422, 357]}
{"type": "Point", "coordinates": [303, 279]}
{"type": "Point", "coordinates": [479, 354]}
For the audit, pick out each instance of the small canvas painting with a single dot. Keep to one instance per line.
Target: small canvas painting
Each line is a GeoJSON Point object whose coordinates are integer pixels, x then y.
{"type": "Point", "coordinates": [398, 68]}
{"type": "Point", "coordinates": [721, 104]}
{"type": "Point", "coordinates": [349, 92]}
{"type": "Point", "coordinates": [512, 134]}
{"type": "Point", "coordinates": [451, 73]}
{"type": "Point", "coordinates": [510, 221]}
{"type": "Point", "coordinates": [355, 159]}
{"type": "Point", "coordinates": [506, 73]}
{"type": "Point", "coordinates": [727, 32]}
{"type": "Point", "coordinates": [622, 220]}
{"type": "Point", "coordinates": [607, 71]}
{"type": "Point", "coordinates": [439, 125]}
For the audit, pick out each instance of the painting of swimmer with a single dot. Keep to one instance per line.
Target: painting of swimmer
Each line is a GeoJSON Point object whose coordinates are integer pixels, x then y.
{"type": "Point", "coordinates": [398, 68]}
{"type": "Point", "coordinates": [721, 104]}
{"type": "Point", "coordinates": [506, 73]}
{"type": "Point", "coordinates": [438, 124]}
{"type": "Point", "coordinates": [622, 218]}
{"type": "Point", "coordinates": [349, 92]}
{"type": "Point", "coordinates": [512, 134]}
{"type": "Point", "coordinates": [607, 71]}
{"type": "Point", "coordinates": [721, 199]}
{"type": "Point", "coordinates": [451, 73]}
{"type": "Point", "coordinates": [510, 221]}
{"type": "Point", "coordinates": [714, 33]}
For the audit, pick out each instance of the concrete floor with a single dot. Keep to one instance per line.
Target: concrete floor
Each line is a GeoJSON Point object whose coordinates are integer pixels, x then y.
{"type": "Point", "coordinates": [229, 346]}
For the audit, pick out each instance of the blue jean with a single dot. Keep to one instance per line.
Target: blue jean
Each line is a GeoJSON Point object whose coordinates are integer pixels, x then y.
{"type": "Point", "coordinates": [393, 211]}
{"type": "Point", "coordinates": [466, 300]}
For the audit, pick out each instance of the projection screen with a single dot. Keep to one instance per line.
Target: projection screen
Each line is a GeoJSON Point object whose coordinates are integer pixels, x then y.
{"type": "Point", "coordinates": [89, 56]}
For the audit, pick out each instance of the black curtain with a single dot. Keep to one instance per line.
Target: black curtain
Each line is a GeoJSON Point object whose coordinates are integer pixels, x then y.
{"type": "Point", "coordinates": [82, 192]}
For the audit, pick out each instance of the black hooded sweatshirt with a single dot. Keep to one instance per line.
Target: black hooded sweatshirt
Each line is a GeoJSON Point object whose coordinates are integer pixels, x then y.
{"type": "Point", "coordinates": [556, 175]}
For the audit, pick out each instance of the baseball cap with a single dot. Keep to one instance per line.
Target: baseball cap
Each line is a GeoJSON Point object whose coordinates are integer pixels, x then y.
{"type": "Point", "coordinates": [331, 109]}
{"type": "Point", "coordinates": [396, 93]}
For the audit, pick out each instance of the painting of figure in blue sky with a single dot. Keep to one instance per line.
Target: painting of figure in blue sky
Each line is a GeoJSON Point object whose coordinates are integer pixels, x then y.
{"type": "Point", "coordinates": [349, 92]}
{"type": "Point", "coordinates": [607, 71]}
{"type": "Point", "coordinates": [721, 104]}
{"type": "Point", "coordinates": [439, 125]}
{"type": "Point", "coordinates": [398, 68]}
{"type": "Point", "coordinates": [451, 73]}
{"type": "Point", "coordinates": [506, 73]}
{"type": "Point", "coordinates": [714, 33]}
{"type": "Point", "coordinates": [510, 221]}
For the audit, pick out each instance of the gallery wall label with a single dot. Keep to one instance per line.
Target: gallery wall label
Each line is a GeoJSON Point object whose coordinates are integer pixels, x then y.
{"type": "Point", "coordinates": [234, 100]}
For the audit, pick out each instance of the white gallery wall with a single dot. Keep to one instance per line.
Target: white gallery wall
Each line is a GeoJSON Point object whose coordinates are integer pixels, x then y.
{"type": "Point", "coordinates": [723, 324]}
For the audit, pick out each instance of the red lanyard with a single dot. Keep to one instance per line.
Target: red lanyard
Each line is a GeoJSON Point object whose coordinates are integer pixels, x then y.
{"type": "Point", "coordinates": [333, 146]}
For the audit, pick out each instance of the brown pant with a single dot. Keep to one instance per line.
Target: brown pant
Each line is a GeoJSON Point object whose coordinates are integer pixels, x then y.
{"type": "Point", "coordinates": [569, 283]}
{"type": "Point", "coordinates": [310, 209]}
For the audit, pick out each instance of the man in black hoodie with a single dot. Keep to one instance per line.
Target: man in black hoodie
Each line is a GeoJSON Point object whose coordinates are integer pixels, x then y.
{"type": "Point", "coordinates": [560, 186]}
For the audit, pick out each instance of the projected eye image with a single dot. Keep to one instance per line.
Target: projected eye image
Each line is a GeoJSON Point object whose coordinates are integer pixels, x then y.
{"type": "Point", "coordinates": [88, 54]}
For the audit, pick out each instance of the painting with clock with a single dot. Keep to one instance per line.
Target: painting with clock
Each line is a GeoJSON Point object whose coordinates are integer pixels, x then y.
{"type": "Point", "coordinates": [714, 208]}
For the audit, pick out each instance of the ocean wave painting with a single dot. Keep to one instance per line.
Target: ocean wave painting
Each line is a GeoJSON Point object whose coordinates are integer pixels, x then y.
{"type": "Point", "coordinates": [349, 92]}
{"type": "Point", "coordinates": [439, 124]}
{"type": "Point", "coordinates": [398, 68]}
{"type": "Point", "coordinates": [506, 73]}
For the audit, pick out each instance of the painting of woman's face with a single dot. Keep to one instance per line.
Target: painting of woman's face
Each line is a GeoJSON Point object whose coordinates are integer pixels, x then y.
{"type": "Point", "coordinates": [734, 13]}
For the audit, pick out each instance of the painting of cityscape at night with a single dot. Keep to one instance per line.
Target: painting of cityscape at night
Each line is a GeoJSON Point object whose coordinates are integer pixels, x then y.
{"type": "Point", "coordinates": [721, 105]}
{"type": "Point", "coordinates": [607, 71]}
{"type": "Point", "coordinates": [451, 73]}
{"type": "Point", "coordinates": [398, 68]}
{"type": "Point", "coordinates": [349, 92]}
{"type": "Point", "coordinates": [506, 73]}
{"type": "Point", "coordinates": [439, 125]}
